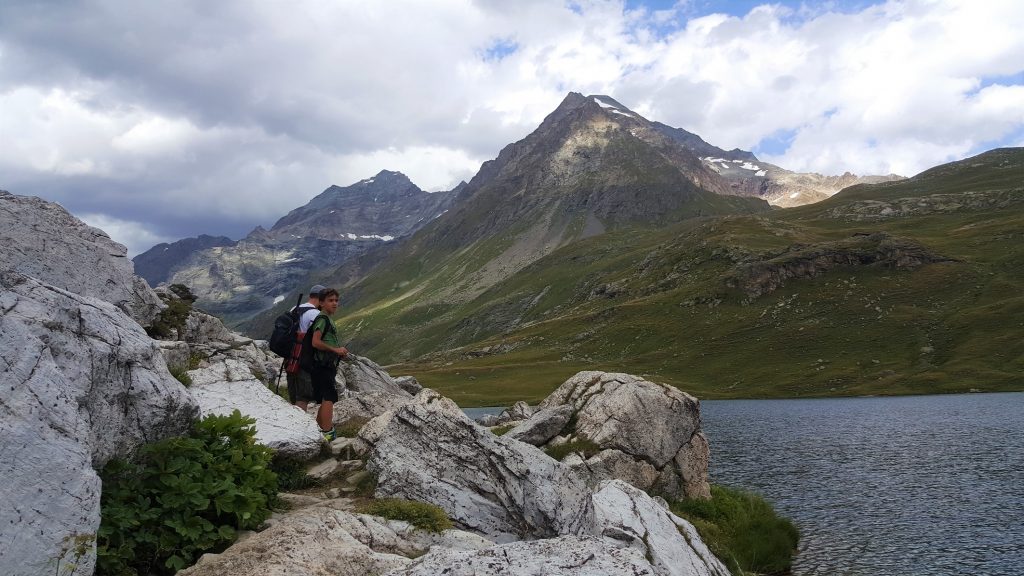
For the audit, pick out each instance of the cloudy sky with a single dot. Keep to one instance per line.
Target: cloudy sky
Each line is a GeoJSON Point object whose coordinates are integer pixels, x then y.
{"type": "Point", "coordinates": [161, 120]}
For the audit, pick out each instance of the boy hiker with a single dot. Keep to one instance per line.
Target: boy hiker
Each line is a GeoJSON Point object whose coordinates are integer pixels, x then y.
{"type": "Point", "coordinates": [300, 387]}
{"type": "Point", "coordinates": [323, 361]}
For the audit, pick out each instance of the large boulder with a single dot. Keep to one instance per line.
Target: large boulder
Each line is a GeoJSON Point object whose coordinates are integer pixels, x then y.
{"type": "Point", "coordinates": [43, 240]}
{"type": "Point", "coordinates": [223, 385]}
{"type": "Point", "coordinates": [430, 451]}
{"type": "Point", "coordinates": [627, 515]}
{"type": "Point", "coordinates": [653, 431]}
{"type": "Point", "coordinates": [544, 425]}
{"type": "Point", "coordinates": [360, 374]}
{"type": "Point", "coordinates": [82, 383]}
{"type": "Point", "coordinates": [365, 390]}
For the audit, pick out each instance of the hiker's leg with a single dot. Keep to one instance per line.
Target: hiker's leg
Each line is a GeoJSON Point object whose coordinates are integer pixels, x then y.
{"type": "Point", "coordinates": [303, 405]}
{"type": "Point", "coordinates": [325, 415]}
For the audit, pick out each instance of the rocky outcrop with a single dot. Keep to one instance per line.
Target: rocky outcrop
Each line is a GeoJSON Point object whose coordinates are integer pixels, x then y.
{"type": "Point", "coordinates": [544, 425]}
{"type": "Point", "coordinates": [646, 433]}
{"type": "Point", "coordinates": [83, 383]}
{"type": "Point", "coordinates": [624, 514]}
{"type": "Point", "coordinates": [237, 280]}
{"type": "Point", "coordinates": [41, 239]}
{"type": "Point", "coordinates": [564, 555]}
{"type": "Point", "coordinates": [329, 538]}
{"type": "Point", "coordinates": [409, 383]}
{"type": "Point", "coordinates": [879, 249]}
{"type": "Point", "coordinates": [502, 488]}
{"type": "Point", "coordinates": [428, 451]}
{"type": "Point", "coordinates": [360, 374]}
{"type": "Point", "coordinates": [225, 385]}
{"type": "Point", "coordinates": [888, 209]}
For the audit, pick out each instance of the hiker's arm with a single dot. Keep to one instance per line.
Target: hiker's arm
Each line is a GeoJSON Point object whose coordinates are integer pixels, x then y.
{"type": "Point", "coordinates": [319, 344]}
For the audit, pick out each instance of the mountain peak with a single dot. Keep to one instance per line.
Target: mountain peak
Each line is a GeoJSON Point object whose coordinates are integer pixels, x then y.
{"type": "Point", "coordinates": [610, 104]}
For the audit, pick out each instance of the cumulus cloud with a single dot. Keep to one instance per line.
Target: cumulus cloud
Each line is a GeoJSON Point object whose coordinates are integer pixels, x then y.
{"type": "Point", "coordinates": [189, 117]}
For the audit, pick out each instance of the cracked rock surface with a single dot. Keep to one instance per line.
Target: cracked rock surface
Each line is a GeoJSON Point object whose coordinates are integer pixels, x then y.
{"type": "Point", "coordinates": [502, 488]}
{"type": "Point", "coordinates": [81, 383]}
{"type": "Point", "coordinates": [648, 434]}
{"type": "Point", "coordinates": [43, 240]}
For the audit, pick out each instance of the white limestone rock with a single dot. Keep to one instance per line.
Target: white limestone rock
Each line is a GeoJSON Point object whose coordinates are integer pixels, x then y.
{"type": "Point", "coordinates": [518, 411]}
{"type": "Point", "coordinates": [562, 556]}
{"type": "Point", "coordinates": [366, 405]}
{"type": "Point", "coordinates": [360, 374]}
{"type": "Point", "coordinates": [502, 488]}
{"type": "Point", "coordinates": [652, 423]}
{"type": "Point", "coordinates": [544, 425]}
{"type": "Point", "coordinates": [224, 386]}
{"type": "Point", "coordinates": [628, 515]}
{"type": "Point", "coordinates": [329, 538]}
{"type": "Point", "coordinates": [609, 464]}
{"type": "Point", "coordinates": [43, 240]}
{"type": "Point", "coordinates": [409, 383]}
{"type": "Point", "coordinates": [82, 383]}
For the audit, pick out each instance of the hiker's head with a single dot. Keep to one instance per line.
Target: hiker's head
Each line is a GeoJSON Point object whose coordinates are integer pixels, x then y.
{"type": "Point", "coordinates": [329, 300]}
{"type": "Point", "coordinates": [314, 293]}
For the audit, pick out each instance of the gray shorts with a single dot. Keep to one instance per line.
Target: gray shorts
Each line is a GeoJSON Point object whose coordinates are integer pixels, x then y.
{"type": "Point", "coordinates": [300, 387]}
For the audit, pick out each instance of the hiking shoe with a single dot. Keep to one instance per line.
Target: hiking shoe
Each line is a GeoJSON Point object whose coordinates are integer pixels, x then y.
{"type": "Point", "coordinates": [330, 435]}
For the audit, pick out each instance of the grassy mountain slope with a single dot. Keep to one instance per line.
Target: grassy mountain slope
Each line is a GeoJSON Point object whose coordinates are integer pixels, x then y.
{"type": "Point", "coordinates": [908, 287]}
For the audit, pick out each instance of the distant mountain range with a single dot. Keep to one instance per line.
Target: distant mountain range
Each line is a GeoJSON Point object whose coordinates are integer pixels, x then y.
{"type": "Point", "coordinates": [915, 286]}
{"type": "Point", "coordinates": [236, 280]}
{"type": "Point", "coordinates": [592, 166]}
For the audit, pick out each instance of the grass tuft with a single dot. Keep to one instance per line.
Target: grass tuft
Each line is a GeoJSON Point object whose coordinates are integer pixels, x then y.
{"type": "Point", "coordinates": [420, 514]}
{"type": "Point", "coordinates": [742, 530]}
{"type": "Point", "coordinates": [586, 448]}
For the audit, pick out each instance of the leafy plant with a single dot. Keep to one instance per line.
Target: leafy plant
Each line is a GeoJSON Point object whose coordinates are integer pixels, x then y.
{"type": "Point", "coordinates": [182, 497]}
{"type": "Point", "coordinates": [420, 514]}
{"type": "Point", "coordinates": [742, 530]}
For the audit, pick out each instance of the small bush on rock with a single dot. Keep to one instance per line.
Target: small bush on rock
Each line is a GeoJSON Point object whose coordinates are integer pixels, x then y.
{"type": "Point", "coordinates": [182, 497]}
{"type": "Point", "coordinates": [172, 319]}
{"type": "Point", "coordinates": [743, 530]}
{"type": "Point", "coordinates": [420, 514]}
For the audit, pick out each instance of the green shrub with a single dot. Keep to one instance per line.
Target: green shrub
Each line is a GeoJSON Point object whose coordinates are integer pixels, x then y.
{"type": "Point", "coordinates": [420, 514]}
{"type": "Point", "coordinates": [181, 374]}
{"type": "Point", "coordinates": [171, 320]}
{"type": "Point", "coordinates": [182, 497]}
{"type": "Point", "coordinates": [743, 530]}
{"type": "Point", "coordinates": [585, 447]}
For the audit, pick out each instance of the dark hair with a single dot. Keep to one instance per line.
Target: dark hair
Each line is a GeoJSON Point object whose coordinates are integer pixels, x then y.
{"type": "Point", "coordinates": [324, 294]}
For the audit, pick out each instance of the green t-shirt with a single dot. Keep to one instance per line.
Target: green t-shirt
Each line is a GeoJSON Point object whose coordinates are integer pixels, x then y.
{"type": "Point", "coordinates": [329, 336]}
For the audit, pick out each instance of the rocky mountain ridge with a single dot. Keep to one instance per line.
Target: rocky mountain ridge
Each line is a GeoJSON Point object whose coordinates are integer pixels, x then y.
{"type": "Point", "coordinates": [236, 280]}
{"type": "Point", "coordinates": [858, 281]}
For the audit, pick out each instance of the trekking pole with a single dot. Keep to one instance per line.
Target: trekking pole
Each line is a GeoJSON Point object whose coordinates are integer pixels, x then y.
{"type": "Point", "coordinates": [277, 390]}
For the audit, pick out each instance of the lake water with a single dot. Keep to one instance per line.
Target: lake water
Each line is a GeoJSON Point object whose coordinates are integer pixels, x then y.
{"type": "Point", "coordinates": [921, 485]}
{"type": "Point", "coordinates": [905, 486]}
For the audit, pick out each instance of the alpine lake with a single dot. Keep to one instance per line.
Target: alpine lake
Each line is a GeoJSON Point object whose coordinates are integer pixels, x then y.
{"type": "Point", "coordinates": [882, 486]}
